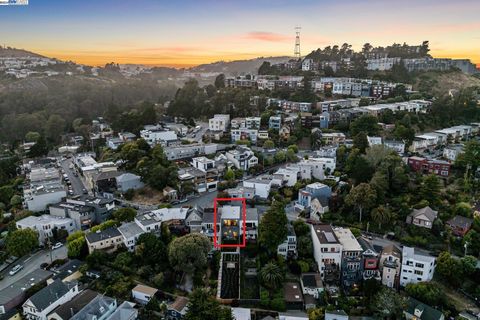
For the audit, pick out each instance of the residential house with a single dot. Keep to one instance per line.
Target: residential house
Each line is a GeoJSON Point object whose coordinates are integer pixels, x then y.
{"type": "Point", "coordinates": [46, 226]}
{"type": "Point", "coordinates": [99, 308]}
{"type": "Point", "coordinates": [261, 185]}
{"type": "Point", "coordinates": [416, 266]}
{"type": "Point", "coordinates": [452, 152]}
{"type": "Point", "coordinates": [108, 240]}
{"type": "Point", "coordinates": [316, 168]}
{"type": "Point", "coordinates": [44, 187]}
{"type": "Point", "coordinates": [252, 123]}
{"type": "Point", "coordinates": [292, 295]}
{"type": "Point", "coordinates": [459, 225]}
{"type": "Point", "coordinates": [312, 191]}
{"type": "Point", "coordinates": [143, 294]}
{"type": "Point", "coordinates": [170, 194]}
{"type": "Point", "coordinates": [288, 248]}
{"type": "Point", "coordinates": [351, 266]}
{"type": "Point", "coordinates": [194, 219]}
{"type": "Point", "coordinates": [416, 310]}
{"type": "Point", "coordinates": [125, 311]}
{"type": "Point", "coordinates": [284, 132]}
{"type": "Point", "coordinates": [423, 217]}
{"type": "Point", "coordinates": [311, 284]}
{"type": "Point", "coordinates": [390, 265]}
{"type": "Point", "coordinates": [38, 306]}
{"type": "Point", "coordinates": [238, 123]}
{"type": "Point", "coordinates": [241, 192]}
{"type": "Point", "coordinates": [72, 307]}
{"type": "Point", "coordinates": [327, 251]}
{"type": "Point", "coordinates": [84, 210]}
{"type": "Point", "coordinates": [156, 136]}
{"type": "Point", "coordinates": [370, 260]}
{"type": "Point", "coordinates": [318, 207]}
{"type": "Point", "coordinates": [130, 231]}
{"type": "Point", "coordinates": [286, 176]}
{"type": "Point", "coordinates": [397, 146]}
{"type": "Point", "coordinates": [242, 158]}
{"type": "Point", "coordinates": [177, 309]}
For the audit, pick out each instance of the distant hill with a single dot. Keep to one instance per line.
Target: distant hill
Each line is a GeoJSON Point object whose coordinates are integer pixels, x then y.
{"type": "Point", "coordinates": [238, 66]}
{"type": "Point", "coordinates": [439, 83]}
{"type": "Point", "coordinates": [17, 53]}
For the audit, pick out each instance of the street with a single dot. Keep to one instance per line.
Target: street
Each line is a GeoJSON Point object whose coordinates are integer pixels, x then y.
{"type": "Point", "coordinates": [197, 136]}
{"type": "Point", "coordinates": [77, 184]}
{"type": "Point", "coordinates": [30, 263]}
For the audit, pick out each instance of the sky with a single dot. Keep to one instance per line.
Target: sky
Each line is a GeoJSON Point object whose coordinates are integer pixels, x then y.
{"type": "Point", "coordinates": [183, 33]}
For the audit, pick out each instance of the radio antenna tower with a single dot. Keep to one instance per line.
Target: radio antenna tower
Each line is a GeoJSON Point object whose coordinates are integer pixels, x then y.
{"type": "Point", "coordinates": [296, 52]}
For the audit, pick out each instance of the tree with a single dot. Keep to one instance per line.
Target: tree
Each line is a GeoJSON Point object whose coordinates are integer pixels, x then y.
{"type": "Point", "coordinates": [427, 292]}
{"type": "Point", "coordinates": [202, 306]}
{"type": "Point", "coordinates": [229, 175]}
{"type": "Point", "coordinates": [430, 189]}
{"type": "Point", "coordinates": [367, 124]}
{"type": "Point", "coordinates": [268, 144]}
{"type": "Point", "coordinates": [124, 214]}
{"type": "Point", "coordinates": [273, 227]}
{"type": "Point", "coordinates": [16, 201]}
{"type": "Point", "coordinates": [271, 276]}
{"type": "Point", "coordinates": [471, 155]}
{"type": "Point", "coordinates": [362, 196]}
{"type": "Point", "coordinates": [360, 141]}
{"type": "Point", "coordinates": [151, 251]}
{"type": "Point", "coordinates": [448, 267]}
{"type": "Point", "coordinates": [32, 136]}
{"type": "Point", "coordinates": [21, 241]}
{"type": "Point", "coordinates": [76, 244]}
{"type": "Point", "coordinates": [54, 127]}
{"type": "Point", "coordinates": [382, 216]}
{"type": "Point", "coordinates": [358, 167]}
{"type": "Point", "coordinates": [189, 253]}
{"type": "Point", "coordinates": [387, 304]}
{"type": "Point", "coordinates": [220, 81]}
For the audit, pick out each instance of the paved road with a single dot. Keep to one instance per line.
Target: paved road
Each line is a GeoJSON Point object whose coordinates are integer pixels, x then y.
{"type": "Point", "coordinates": [77, 184]}
{"type": "Point", "coordinates": [204, 200]}
{"type": "Point", "coordinates": [31, 263]}
{"type": "Point", "coordinates": [200, 133]}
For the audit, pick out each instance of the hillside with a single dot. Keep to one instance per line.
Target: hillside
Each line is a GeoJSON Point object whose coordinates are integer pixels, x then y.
{"type": "Point", "coordinates": [438, 83]}
{"type": "Point", "coordinates": [238, 66]}
{"type": "Point", "coordinates": [17, 53]}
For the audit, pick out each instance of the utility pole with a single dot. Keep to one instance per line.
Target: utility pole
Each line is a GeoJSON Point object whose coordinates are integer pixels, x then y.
{"type": "Point", "coordinates": [296, 52]}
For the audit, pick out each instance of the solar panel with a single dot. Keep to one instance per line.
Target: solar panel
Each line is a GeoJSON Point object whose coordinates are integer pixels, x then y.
{"type": "Point", "coordinates": [330, 237]}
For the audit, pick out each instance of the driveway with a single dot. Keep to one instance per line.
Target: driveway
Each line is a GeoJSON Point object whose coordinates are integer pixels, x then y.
{"type": "Point", "coordinates": [30, 263]}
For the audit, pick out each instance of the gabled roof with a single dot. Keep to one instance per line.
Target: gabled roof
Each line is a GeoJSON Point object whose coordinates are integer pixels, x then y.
{"type": "Point", "coordinates": [460, 222]}
{"type": "Point", "coordinates": [428, 313]}
{"type": "Point", "coordinates": [179, 304]}
{"type": "Point", "coordinates": [93, 237]}
{"type": "Point", "coordinates": [428, 212]}
{"type": "Point", "coordinates": [51, 293]}
{"type": "Point", "coordinates": [72, 307]}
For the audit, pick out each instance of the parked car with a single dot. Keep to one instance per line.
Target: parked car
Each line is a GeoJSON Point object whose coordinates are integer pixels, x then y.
{"type": "Point", "coordinates": [15, 269]}
{"type": "Point", "coordinates": [84, 191]}
{"type": "Point", "coordinates": [44, 266]}
{"type": "Point", "coordinates": [57, 245]}
{"type": "Point", "coordinates": [183, 200]}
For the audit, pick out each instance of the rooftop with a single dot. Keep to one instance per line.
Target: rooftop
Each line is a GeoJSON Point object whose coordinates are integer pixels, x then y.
{"type": "Point", "coordinates": [70, 308]}
{"type": "Point", "coordinates": [145, 289]}
{"type": "Point", "coordinates": [93, 237]}
{"type": "Point", "coordinates": [292, 292]}
{"type": "Point", "coordinates": [35, 277]}
{"type": "Point", "coordinates": [325, 234]}
{"type": "Point", "coordinates": [347, 239]}
{"type": "Point", "coordinates": [130, 230]}
{"type": "Point", "coordinates": [51, 293]}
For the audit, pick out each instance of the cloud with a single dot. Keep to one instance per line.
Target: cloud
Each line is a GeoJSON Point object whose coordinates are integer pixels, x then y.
{"type": "Point", "coordinates": [267, 36]}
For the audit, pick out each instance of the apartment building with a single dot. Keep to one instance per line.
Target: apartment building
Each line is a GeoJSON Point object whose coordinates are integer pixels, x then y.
{"type": "Point", "coordinates": [416, 266]}
{"type": "Point", "coordinates": [219, 122]}
{"type": "Point", "coordinates": [351, 265]}
{"type": "Point", "coordinates": [45, 225]}
{"type": "Point", "coordinates": [390, 266]}
{"type": "Point", "coordinates": [327, 251]}
{"type": "Point", "coordinates": [275, 122]}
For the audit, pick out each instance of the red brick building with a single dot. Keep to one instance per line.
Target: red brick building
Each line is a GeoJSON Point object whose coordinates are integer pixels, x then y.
{"type": "Point", "coordinates": [426, 166]}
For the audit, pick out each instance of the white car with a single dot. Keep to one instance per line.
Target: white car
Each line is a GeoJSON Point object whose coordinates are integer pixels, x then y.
{"type": "Point", "coordinates": [15, 269]}
{"type": "Point", "coordinates": [57, 245]}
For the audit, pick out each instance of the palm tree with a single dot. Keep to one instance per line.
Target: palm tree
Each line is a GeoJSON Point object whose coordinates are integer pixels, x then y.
{"type": "Point", "coordinates": [382, 215]}
{"type": "Point", "coordinates": [271, 276]}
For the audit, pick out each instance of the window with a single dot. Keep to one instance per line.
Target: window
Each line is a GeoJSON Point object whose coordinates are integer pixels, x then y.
{"type": "Point", "coordinates": [419, 265]}
{"type": "Point", "coordinates": [418, 272]}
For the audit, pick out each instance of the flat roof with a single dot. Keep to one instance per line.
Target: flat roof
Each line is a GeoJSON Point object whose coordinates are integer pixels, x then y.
{"type": "Point", "coordinates": [347, 239]}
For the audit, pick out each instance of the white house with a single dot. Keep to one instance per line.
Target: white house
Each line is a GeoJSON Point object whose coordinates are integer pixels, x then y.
{"type": "Point", "coordinates": [261, 185]}
{"type": "Point", "coordinates": [289, 246]}
{"type": "Point", "coordinates": [142, 293]}
{"type": "Point", "coordinates": [252, 122]}
{"type": "Point", "coordinates": [416, 266]}
{"type": "Point", "coordinates": [130, 231]}
{"type": "Point", "coordinates": [316, 168]}
{"type": "Point", "coordinates": [38, 306]}
{"type": "Point", "coordinates": [162, 137]}
{"type": "Point", "coordinates": [286, 176]}
{"type": "Point", "coordinates": [452, 152]}
{"type": "Point", "coordinates": [242, 158]}
{"type": "Point", "coordinates": [327, 251]}
{"type": "Point", "coordinates": [219, 122]}
{"type": "Point", "coordinates": [45, 225]}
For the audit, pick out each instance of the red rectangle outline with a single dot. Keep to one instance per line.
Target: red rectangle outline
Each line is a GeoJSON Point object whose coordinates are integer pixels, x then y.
{"type": "Point", "coordinates": [244, 224]}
